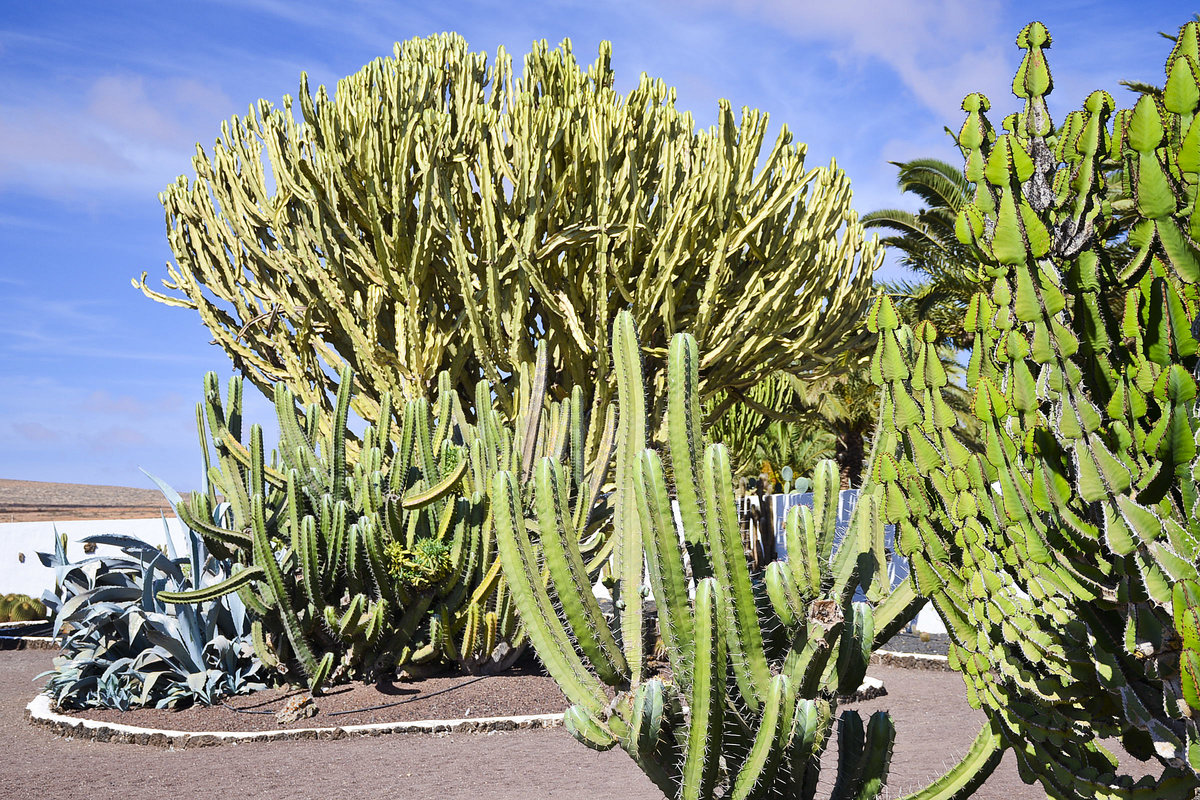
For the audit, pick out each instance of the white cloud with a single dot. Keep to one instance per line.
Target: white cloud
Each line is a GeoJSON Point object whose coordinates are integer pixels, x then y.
{"type": "Point", "coordinates": [940, 49]}
{"type": "Point", "coordinates": [125, 133]}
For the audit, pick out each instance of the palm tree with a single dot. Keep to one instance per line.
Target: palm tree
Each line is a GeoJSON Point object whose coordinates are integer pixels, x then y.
{"type": "Point", "coordinates": [930, 248]}
{"type": "Point", "coordinates": [1150, 88]}
{"type": "Point", "coordinates": [763, 430]}
{"type": "Point", "coordinates": [788, 422]}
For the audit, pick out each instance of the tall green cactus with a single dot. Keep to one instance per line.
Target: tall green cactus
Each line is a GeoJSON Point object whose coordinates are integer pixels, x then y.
{"type": "Point", "coordinates": [441, 207]}
{"type": "Point", "coordinates": [1064, 557]}
{"type": "Point", "coordinates": [751, 696]}
{"type": "Point", "coordinates": [358, 566]}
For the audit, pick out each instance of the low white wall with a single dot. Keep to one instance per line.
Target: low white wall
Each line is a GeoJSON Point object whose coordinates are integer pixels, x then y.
{"type": "Point", "coordinates": [927, 620]}
{"type": "Point", "coordinates": [29, 577]}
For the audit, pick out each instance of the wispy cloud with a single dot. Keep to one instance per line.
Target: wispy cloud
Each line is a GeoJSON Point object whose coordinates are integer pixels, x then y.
{"type": "Point", "coordinates": [940, 49]}
{"type": "Point", "coordinates": [36, 432]}
{"type": "Point", "coordinates": [61, 328]}
{"type": "Point", "coordinates": [127, 133]}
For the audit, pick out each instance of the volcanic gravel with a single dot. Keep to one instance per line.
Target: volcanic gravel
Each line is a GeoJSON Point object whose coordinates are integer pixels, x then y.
{"type": "Point", "coordinates": [933, 721]}
{"type": "Point", "coordinates": [934, 644]}
{"type": "Point", "coordinates": [525, 690]}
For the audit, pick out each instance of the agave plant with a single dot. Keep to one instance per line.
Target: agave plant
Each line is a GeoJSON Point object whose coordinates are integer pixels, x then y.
{"type": "Point", "coordinates": [124, 647]}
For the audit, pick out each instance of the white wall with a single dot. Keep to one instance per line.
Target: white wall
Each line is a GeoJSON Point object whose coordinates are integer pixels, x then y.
{"type": "Point", "coordinates": [32, 578]}
{"type": "Point", "coordinates": [30, 538]}
{"type": "Point", "coordinates": [927, 620]}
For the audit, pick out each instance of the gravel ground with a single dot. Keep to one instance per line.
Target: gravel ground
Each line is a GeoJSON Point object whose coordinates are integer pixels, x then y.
{"type": "Point", "coordinates": [34, 501]}
{"type": "Point", "coordinates": [934, 724]}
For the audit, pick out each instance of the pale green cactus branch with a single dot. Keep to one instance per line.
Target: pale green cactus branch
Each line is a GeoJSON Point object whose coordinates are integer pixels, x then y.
{"type": "Point", "coordinates": [761, 702]}
{"type": "Point", "coordinates": [437, 206]}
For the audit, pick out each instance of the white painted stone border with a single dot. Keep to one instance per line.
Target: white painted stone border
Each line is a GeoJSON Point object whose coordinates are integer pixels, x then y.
{"type": "Point", "coordinates": [41, 714]}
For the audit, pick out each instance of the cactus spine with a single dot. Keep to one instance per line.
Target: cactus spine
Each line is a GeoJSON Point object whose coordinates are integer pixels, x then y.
{"type": "Point", "coordinates": [1064, 557]}
{"type": "Point", "coordinates": [760, 682]}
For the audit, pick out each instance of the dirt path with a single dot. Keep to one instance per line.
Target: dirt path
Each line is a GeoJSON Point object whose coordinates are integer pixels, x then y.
{"type": "Point", "coordinates": [932, 718]}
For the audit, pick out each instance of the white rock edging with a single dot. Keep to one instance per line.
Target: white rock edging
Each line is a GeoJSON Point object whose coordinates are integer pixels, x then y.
{"type": "Point", "coordinates": [41, 713]}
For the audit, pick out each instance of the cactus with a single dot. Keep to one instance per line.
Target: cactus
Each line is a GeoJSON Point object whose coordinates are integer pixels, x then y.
{"type": "Point", "coordinates": [440, 208]}
{"type": "Point", "coordinates": [21, 608]}
{"type": "Point", "coordinates": [751, 699]}
{"type": "Point", "coordinates": [357, 566]}
{"type": "Point", "coordinates": [1063, 558]}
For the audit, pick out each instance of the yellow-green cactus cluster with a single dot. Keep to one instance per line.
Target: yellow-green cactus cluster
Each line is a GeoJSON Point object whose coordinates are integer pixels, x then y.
{"type": "Point", "coordinates": [21, 608]}
{"type": "Point", "coordinates": [421, 568]}
{"type": "Point", "coordinates": [440, 206]}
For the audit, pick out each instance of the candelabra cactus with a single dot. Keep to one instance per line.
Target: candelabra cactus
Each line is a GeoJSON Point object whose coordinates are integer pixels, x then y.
{"type": "Point", "coordinates": [355, 568]}
{"type": "Point", "coordinates": [751, 697]}
{"type": "Point", "coordinates": [1063, 558]}
{"type": "Point", "coordinates": [442, 205]}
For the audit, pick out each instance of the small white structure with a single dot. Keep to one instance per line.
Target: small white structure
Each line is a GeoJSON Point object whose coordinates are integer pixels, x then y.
{"type": "Point", "coordinates": [927, 620]}
{"type": "Point", "coordinates": [21, 570]}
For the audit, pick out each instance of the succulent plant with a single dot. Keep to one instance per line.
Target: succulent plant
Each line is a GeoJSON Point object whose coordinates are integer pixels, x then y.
{"type": "Point", "coordinates": [21, 608]}
{"type": "Point", "coordinates": [123, 647]}
{"type": "Point", "coordinates": [358, 565]}
{"type": "Point", "coordinates": [1063, 558]}
{"type": "Point", "coordinates": [757, 664]}
{"type": "Point", "coordinates": [442, 206]}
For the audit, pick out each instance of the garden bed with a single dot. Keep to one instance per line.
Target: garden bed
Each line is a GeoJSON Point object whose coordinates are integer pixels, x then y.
{"type": "Point", "coordinates": [932, 718]}
{"type": "Point", "coordinates": [518, 692]}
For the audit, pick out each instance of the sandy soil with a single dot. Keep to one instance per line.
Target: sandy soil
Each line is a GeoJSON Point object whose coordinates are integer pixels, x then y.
{"type": "Point", "coordinates": [933, 721]}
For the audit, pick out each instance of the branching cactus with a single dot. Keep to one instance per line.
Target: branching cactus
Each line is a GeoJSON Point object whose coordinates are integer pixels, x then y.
{"type": "Point", "coordinates": [438, 205]}
{"type": "Point", "coordinates": [355, 569]}
{"type": "Point", "coordinates": [1064, 557]}
{"type": "Point", "coordinates": [750, 699]}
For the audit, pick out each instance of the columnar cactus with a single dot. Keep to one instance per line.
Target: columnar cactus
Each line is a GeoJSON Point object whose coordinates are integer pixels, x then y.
{"type": "Point", "coordinates": [356, 567]}
{"type": "Point", "coordinates": [440, 207]}
{"type": "Point", "coordinates": [750, 699]}
{"type": "Point", "coordinates": [1064, 557]}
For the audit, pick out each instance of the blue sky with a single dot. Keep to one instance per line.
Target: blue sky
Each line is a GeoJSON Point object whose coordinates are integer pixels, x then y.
{"type": "Point", "coordinates": [103, 104]}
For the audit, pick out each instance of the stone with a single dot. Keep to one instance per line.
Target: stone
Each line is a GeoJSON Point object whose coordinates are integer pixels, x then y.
{"type": "Point", "coordinates": [298, 707]}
